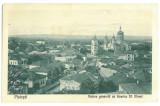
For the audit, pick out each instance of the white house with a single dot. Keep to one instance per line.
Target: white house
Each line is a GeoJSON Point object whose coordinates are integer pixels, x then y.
{"type": "Point", "coordinates": [62, 59]}
{"type": "Point", "coordinates": [73, 82]}
{"type": "Point", "coordinates": [36, 79]}
{"type": "Point", "coordinates": [17, 61]}
{"type": "Point", "coordinates": [13, 62]}
{"type": "Point", "coordinates": [69, 65]}
{"type": "Point", "coordinates": [129, 57]}
{"type": "Point", "coordinates": [69, 85]}
{"type": "Point", "coordinates": [41, 42]}
{"type": "Point", "coordinates": [106, 72]}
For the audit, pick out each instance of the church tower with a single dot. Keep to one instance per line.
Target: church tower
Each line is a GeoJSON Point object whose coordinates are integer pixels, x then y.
{"type": "Point", "coordinates": [94, 46]}
{"type": "Point", "coordinates": [120, 36]}
{"type": "Point", "coordinates": [113, 40]}
{"type": "Point", "coordinates": [105, 42]}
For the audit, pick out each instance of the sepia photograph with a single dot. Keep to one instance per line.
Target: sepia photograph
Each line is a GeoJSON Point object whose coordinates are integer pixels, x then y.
{"type": "Point", "coordinates": [80, 49]}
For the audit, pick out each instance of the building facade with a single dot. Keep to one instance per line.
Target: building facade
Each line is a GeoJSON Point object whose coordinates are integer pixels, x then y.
{"type": "Point", "coordinates": [116, 43]}
{"type": "Point", "coordinates": [94, 46]}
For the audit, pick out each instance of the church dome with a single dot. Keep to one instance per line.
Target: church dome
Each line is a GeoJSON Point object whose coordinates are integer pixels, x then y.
{"type": "Point", "coordinates": [120, 32]}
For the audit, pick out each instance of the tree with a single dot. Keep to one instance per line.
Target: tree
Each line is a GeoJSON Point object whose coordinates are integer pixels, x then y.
{"type": "Point", "coordinates": [101, 51]}
{"type": "Point", "coordinates": [79, 57]}
{"type": "Point", "coordinates": [110, 51]}
{"type": "Point", "coordinates": [107, 86]}
{"type": "Point", "coordinates": [89, 86]}
{"type": "Point", "coordinates": [92, 69]}
{"type": "Point", "coordinates": [34, 58]}
{"type": "Point", "coordinates": [83, 51]}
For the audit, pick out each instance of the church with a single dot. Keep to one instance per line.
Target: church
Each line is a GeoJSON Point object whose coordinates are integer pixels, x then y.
{"type": "Point", "coordinates": [116, 43]}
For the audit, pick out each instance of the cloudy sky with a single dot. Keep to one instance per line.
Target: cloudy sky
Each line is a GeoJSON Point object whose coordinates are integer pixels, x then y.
{"type": "Point", "coordinates": [80, 19]}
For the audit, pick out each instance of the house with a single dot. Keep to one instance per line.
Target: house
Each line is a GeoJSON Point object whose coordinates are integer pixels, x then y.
{"type": "Point", "coordinates": [62, 59]}
{"type": "Point", "coordinates": [130, 57]}
{"type": "Point", "coordinates": [143, 76]}
{"type": "Point", "coordinates": [41, 42]}
{"type": "Point", "coordinates": [136, 88]}
{"type": "Point", "coordinates": [127, 66]}
{"type": "Point", "coordinates": [70, 72]}
{"type": "Point", "coordinates": [48, 69]}
{"type": "Point", "coordinates": [120, 78]}
{"type": "Point", "coordinates": [69, 65]}
{"type": "Point", "coordinates": [93, 62]}
{"type": "Point", "coordinates": [41, 70]}
{"type": "Point", "coordinates": [106, 72]}
{"type": "Point", "coordinates": [84, 58]}
{"type": "Point", "coordinates": [73, 82]}
{"type": "Point", "coordinates": [54, 51]}
{"type": "Point", "coordinates": [60, 46]}
{"type": "Point", "coordinates": [17, 60]}
{"type": "Point", "coordinates": [127, 56]}
{"type": "Point", "coordinates": [106, 62]}
{"type": "Point", "coordinates": [34, 52]}
{"type": "Point", "coordinates": [35, 81]}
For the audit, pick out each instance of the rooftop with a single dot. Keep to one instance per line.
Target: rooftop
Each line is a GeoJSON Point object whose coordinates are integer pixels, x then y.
{"type": "Point", "coordinates": [33, 76]}
{"type": "Point", "coordinates": [119, 78]}
{"type": "Point", "coordinates": [134, 88]}
{"type": "Point", "coordinates": [106, 72]}
{"type": "Point", "coordinates": [80, 77]}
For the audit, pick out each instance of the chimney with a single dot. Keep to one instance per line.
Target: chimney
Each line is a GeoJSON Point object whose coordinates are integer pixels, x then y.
{"type": "Point", "coordinates": [138, 81]}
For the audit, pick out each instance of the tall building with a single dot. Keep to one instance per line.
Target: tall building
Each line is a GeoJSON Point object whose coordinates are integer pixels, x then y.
{"type": "Point", "coordinates": [120, 36]}
{"type": "Point", "coordinates": [94, 46]}
{"type": "Point", "coordinates": [113, 40]}
{"type": "Point", "coordinates": [106, 42]}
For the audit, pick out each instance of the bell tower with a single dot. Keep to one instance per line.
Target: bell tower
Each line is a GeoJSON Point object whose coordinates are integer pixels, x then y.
{"type": "Point", "coordinates": [94, 46]}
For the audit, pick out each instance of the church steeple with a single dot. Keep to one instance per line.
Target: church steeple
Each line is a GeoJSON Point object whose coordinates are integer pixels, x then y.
{"type": "Point", "coordinates": [94, 38]}
{"type": "Point", "coordinates": [120, 35]}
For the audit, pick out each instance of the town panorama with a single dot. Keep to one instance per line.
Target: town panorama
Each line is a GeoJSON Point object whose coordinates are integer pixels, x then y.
{"type": "Point", "coordinates": [110, 64]}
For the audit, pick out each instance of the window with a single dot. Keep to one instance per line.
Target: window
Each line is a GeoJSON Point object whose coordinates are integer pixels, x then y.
{"type": "Point", "coordinates": [72, 87]}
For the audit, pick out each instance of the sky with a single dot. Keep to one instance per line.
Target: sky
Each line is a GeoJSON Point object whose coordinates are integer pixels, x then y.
{"type": "Point", "coordinates": [80, 19]}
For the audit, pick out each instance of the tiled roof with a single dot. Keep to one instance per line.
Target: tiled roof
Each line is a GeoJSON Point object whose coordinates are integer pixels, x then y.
{"type": "Point", "coordinates": [106, 72]}
{"type": "Point", "coordinates": [33, 76]}
{"type": "Point", "coordinates": [40, 69]}
{"type": "Point", "coordinates": [119, 78]}
{"type": "Point", "coordinates": [134, 88]}
{"type": "Point", "coordinates": [80, 77]}
{"type": "Point", "coordinates": [107, 60]}
{"type": "Point", "coordinates": [143, 76]}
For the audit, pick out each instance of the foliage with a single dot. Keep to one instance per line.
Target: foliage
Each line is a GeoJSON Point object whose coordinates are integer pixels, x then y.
{"type": "Point", "coordinates": [89, 86]}
{"type": "Point", "coordinates": [101, 51]}
{"type": "Point", "coordinates": [107, 86]}
{"type": "Point", "coordinates": [16, 76]}
{"type": "Point", "coordinates": [145, 47]}
{"type": "Point", "coordinates": [84, 51]}
{"type": "Point", "coordinates": [110, 51]}
{"type": "Point", "coordinates": [92, 69]}
{"type": "Point", "coordinates": [79, 57]}
{"type": "Point", "coordinates": [34, 58]}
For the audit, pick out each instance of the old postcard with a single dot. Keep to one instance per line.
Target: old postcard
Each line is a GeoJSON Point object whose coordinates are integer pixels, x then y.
{"type": "Point", "coordinates": [80, 53]}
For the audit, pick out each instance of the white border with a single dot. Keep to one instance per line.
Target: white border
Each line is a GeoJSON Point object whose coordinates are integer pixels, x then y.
{"type": "Point", "coordinates": [77, 1]}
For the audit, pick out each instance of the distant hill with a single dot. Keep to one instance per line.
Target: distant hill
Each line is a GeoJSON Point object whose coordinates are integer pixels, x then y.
{"type": "Point", "coordinates": [76, 37]}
